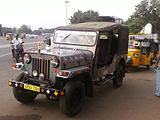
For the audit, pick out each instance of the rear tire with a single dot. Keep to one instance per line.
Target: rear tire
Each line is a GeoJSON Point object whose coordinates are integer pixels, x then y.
{"type": "Point", "coordinates": [23, 96]}
{"type": "Point", "coordinates": [72, 102]}
{"type": "Point", "coordinates": [119, 74]}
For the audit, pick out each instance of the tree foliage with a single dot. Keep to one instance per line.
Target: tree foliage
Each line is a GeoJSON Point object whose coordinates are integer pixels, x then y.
{"type": "Point", "coordinates": [79, 16]}
{"type": "Point", "coordinates": [148, 11]}
{"type": "Point", "coordinates": [41, 30]}
{"type": "Point", "coordinates": [8, 30]}
{"type": "Point", "coordinates": [25, 29]}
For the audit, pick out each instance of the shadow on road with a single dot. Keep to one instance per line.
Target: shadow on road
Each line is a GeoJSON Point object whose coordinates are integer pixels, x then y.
{"type": "Point", "coordinates": [139, 69]}
{"type": "Point", "coordinates": [26, 117]}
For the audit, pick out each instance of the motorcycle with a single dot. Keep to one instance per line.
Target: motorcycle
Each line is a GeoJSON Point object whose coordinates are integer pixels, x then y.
{"type": "Point", "coordinates": [17, 51]}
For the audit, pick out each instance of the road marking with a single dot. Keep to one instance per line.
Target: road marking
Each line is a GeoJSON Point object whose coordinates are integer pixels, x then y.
{"type": "Point", "coordinates": [6, 46]}
{"type": "Point", "coordinates": [5, 55]}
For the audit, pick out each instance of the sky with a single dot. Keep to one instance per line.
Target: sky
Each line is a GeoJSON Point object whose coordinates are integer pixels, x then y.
{"type": "Point", "coordinates": [52, 13]}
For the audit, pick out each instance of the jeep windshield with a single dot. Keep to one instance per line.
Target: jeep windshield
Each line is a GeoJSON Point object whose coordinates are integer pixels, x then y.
{"type": "Point", "coordinates": [83, 38]}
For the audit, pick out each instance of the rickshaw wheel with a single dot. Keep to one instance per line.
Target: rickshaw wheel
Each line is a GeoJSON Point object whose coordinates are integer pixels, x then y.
{"type": "Point", "coordinates": [148, 67]}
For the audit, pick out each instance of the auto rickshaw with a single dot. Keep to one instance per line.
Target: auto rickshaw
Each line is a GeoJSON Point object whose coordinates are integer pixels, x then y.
{"type": "Point", "coordinates": [140, 51]}
{"type": "Point", "coordinates": [9, 36]}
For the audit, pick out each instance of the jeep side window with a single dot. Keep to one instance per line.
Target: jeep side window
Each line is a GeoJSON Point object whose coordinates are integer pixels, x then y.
{"type": "Point", "coordinates": [108, 47]}
{"type": "Point", "coordinates": [104, 49]}
{"type": "Point", "coordinates": [114, 45]}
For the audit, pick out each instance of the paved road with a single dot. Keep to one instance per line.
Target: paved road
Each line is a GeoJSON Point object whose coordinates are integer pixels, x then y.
{"type": "Point", "coordinates": [135, 100]}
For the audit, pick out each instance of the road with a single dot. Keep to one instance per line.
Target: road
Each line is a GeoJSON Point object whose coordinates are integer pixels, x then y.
{"type": "Point", "coordinates": [135, 100]}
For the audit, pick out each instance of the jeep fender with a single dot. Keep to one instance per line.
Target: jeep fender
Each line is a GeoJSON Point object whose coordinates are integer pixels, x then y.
{"type": "Point", "coordinates": [120, 59]}
{"type": "Point", "coordinates": [80, 73]}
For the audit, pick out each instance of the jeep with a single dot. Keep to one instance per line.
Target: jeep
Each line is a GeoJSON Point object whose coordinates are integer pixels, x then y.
{"type": "Point", "coordinates": [82, 55]}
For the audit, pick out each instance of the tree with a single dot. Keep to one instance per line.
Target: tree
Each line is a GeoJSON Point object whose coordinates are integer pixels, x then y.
{"type": "Point", "coordinates": [155, 15]}
{"type": "Point", "coordinates": [40, 31]}
{"type": "Point", "coordinates": [148, 11]}
{"type": "Point", "coordinates": [0, 29]}
{"type": "Point", "coordinates": [79, 16]}
{"type": "Point", "coordinates": [7, 30]}
{"type": "Point", "coordinates": [37, 32]}
{"type": "Point", "coordinates": [25, 29]}
{"type": "Point", "coordinates": [48, 31]}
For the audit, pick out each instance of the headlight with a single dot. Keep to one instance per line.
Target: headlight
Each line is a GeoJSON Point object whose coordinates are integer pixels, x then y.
{"type": "Point", "coordinates": [55, 62]}
{"type": "Point", "coordinates": [41, 76]}
{"type": "Point", "coordinates": [27, 58]}
{"type": "Point", "coordinates": [135, 55]}
{"type": "Point", "coordinates": [128, 57]}
{"type": "Point", "coordinates": [35, 73]}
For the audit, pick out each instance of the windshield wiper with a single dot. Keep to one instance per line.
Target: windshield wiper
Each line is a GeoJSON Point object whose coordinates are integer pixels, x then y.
{"type": "Point", "coordinates": [66, 37]}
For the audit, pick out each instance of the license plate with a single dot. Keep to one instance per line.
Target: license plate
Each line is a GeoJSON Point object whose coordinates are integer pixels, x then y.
{"type": "Point", "coordinates": [32, 88]}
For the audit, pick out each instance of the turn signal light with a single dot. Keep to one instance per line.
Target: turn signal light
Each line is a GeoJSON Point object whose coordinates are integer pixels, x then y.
{"type": "Point", "coordinates": [55, 93]}
{"type": "Point", "coordinates": [9, 83]}
{"type": "Point", "coordinates": [64, 73]}
{"type": "Point", "coordinates": [42, 90]}
{"type": "Point", "coordinates": [62, 93]}
{"type": "Point", "coordinates": [55, 71]}
{"type": "Point", "coordinates": [39, 44]}
{"type": "Point", "coordinates": [14, 66]}
{"type": "Point", "coordinates": [20, 85]}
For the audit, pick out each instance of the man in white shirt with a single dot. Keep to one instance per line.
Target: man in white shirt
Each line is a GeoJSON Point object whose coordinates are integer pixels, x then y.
{"type": "Point", "coordinates": [16, 41]}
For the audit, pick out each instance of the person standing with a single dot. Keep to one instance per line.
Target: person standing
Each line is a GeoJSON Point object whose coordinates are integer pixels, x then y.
{"type": "Point", "coordinates": [157, 93]}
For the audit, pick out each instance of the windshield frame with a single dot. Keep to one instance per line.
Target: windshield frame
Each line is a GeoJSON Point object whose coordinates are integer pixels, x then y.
{"type": "Point", "coordinates": [76, 44]}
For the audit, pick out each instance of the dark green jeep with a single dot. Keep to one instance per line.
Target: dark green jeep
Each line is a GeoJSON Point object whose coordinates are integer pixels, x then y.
{"type": "Point", "coordinates": [82, 55]}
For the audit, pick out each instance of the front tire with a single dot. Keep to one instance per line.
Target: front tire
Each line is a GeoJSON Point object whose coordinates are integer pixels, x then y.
{"type": "Point", "coordinates": [23, 96]}
{"type": "Point", "coordinates": [72, 102]}
{"type": "Point", "coordinates": [17, 56]}
{"type": "Point", "coordinates": [13, 54]}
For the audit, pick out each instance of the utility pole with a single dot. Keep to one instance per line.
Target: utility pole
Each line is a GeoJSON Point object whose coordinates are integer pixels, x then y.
{"type": "Point", "coordinates": [66, 12]}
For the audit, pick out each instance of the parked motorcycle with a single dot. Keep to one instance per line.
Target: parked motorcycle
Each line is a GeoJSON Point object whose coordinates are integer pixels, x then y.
{"type": "Point", "coordinates": [17, 51]}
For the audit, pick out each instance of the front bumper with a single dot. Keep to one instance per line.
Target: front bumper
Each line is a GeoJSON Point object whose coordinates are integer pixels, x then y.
{"type": "Point", "coordinates": [38, 89]}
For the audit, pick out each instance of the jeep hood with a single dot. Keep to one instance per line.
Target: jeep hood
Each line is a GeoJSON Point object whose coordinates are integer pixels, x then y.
{"type": "Point", "coordinates": [69, 58]}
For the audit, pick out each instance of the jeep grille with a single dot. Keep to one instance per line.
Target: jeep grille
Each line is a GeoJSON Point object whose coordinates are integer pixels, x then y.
{"type": "Point", "coordinates": [42, 66]}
